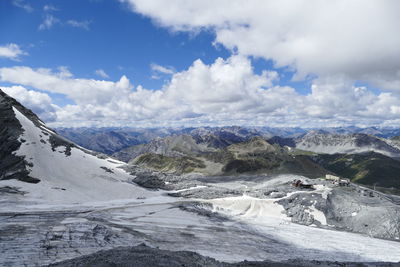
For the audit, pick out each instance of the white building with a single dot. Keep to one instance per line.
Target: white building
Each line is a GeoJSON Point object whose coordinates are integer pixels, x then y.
{"type": "Point", "coordinates": [332, 178]}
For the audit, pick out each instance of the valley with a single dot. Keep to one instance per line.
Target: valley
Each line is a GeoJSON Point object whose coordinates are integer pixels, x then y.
{"type": "Point", "coordinates": [194, 200]}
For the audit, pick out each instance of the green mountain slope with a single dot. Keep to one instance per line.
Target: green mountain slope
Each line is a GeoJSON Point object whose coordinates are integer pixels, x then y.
{"type": "Point", "coordinates": [253, 156]}
{"type": "Point", "coordinates": [367, 168]}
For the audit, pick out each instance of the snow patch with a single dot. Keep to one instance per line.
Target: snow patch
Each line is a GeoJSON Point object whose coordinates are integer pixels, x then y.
{"type": "Point", "coordinates": [79, 173]}
{"type": "Point", "coordinates": [188, 189]}
{"type": "Point", "coordinates": [249, 207]}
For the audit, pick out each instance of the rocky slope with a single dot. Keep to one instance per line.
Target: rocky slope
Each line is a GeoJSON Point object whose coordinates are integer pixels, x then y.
{"type": "Point", "coordinates": [345, 144]}
{"type": "Point", "coordinates": [253, 156]}
{"type": "Point", "coordinates": [257, 155]}
{"type": "Point", "coordinates": [394, 141]}
{"type": "Point", "coordinates": [13, 166]}
{"type": "Point", "coordinates": [146, 256]}
{"type": "Point", "coordinates": [193, 142]}
{"type": "Point", "coordinates": [172, 146]}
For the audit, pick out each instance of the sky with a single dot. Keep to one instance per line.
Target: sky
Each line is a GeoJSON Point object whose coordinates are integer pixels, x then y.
{"type": "Point", "coordinates": [146, 63]}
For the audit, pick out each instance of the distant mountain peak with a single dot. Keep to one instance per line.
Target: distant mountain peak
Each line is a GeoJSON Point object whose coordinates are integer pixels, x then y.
{"type": "Point", "coordinates": [352, 143]}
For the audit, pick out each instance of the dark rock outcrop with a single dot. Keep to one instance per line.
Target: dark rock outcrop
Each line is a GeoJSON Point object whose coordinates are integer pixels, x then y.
{"type": "Point", "coordinates": [11, 165]}
{"type": "Point", "coordinates": [143, 255]}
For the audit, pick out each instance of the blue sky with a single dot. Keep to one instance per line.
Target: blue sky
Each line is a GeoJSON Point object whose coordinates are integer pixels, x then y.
{"type": "Point", "coordinates": [155, 45]}
{"type": "Point", "coordinates": [118, 41]}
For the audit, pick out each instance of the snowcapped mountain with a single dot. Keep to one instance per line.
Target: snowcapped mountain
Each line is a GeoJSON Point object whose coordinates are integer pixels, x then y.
{"type": "Point", "coordinates": [327, 143]}
{"type": "Point", "coordinates": [35, 160]}
{"type": "Point", "coordinates": [59, 201]}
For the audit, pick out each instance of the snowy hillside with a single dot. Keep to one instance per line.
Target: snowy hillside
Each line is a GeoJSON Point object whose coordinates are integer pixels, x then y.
{"type": "Point", "coordinates": [58, 170]}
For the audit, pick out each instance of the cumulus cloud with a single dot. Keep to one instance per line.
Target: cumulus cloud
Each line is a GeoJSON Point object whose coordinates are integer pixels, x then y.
{"type": "Point", "coordinates": [202, 92]}
{"type": "Point", "coordinates": [79, 24]}
{"type": "Point", "coordinates": [225, 92]}
{"type": "Point", "coordinates": [358, 39]}
{"type": "Point", "coordinates": [11, 51]}
{"type": "Point", "coordinates": [101, 73]}
{"type": "Point", "coordinates": [40, 103]}
{"type": "Point", "coordinates": [85, 91]}
{"type": "Point", "coordinates": [222, 87]}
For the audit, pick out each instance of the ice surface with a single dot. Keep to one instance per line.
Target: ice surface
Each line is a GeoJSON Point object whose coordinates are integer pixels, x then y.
{"type": "Point", "coordinates": [266, 216]}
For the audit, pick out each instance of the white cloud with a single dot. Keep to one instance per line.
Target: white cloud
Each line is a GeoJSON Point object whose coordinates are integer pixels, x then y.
{"type": "Point", "coordinates": [49, 8]}
{"type": "Point", "coordinates": [101, 73]}
{"type": "Point", "coordinates": [23, 5]}
{"type": "Point", "coordinates": [225, 92]}
{"type": "Point", "coordinates": [84, 91]}
{"type": "Point", "coordinates": [358, 39]}
{"type": "Point", "coordinates": [48, 22]}
{"type": "Point", "coordinates": [198, 93]}
{"type": "Point", "coordinates": [161, 69]}
{"type": "Point", "coordinates": [40, 103]}
{"type": "Point", "coordinates": [335, 97]}
{"type": "Point", "coordinates": [225, 86]}
{"type": "Point", "coordinates": [11, 51]}
{"type": "Point", "coordinates": [79, 24]}
{"type": "Point", "coordinates": [338, 42]}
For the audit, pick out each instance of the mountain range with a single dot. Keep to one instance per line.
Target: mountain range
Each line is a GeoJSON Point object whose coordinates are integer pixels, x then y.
{"type": "Point", "coordinates": [66, 205]}
{"type": "Point", "coordinates": [109, 140]}
{"type": "Point", "coordinates": [365, 159]}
